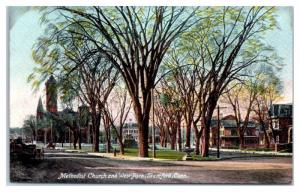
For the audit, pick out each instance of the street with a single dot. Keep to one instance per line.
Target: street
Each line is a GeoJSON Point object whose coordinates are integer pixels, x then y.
{"type": "Point", "coordinates": [83, 168]}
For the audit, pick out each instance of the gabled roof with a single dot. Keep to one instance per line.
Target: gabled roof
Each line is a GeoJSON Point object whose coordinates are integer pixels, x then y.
{"type": "Point", "coordinates": [281, 110]}
{"type": "Point", "coordinates": [68, 111]}
{"type": "Point", "coordinates": [230, 123]}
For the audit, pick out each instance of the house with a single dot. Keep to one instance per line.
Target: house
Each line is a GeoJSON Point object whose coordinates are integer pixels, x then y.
{"type": "Point", "coordinates": [229, 136]}
{"type": "Point", "coordinates": [280, 127]}
{"type": "Point", "coordinates": [130, 130]}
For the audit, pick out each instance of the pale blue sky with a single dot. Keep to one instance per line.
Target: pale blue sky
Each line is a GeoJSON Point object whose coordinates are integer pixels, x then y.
{"type": "Point", "coordinates": [25, 29]}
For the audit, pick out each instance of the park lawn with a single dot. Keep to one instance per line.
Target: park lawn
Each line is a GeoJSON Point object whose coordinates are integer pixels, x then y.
{"type": "Point", "coordinates": [160, 154]}
{"type": "Point", "coordinates": [200, 158]}
{"type": "Point", "coordinates": [89, 148]}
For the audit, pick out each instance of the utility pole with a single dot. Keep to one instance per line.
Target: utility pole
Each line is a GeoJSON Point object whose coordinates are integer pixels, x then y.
{"type": "Point", "coordinates": [153, 129]}
{"type": "Point", "coordinates": [36, 124]}
{"type": "Point", "coordinates": [51, 130]}
{"type": "Point", "coordinates": [70, 137]}
{"type": "Point", "coordinates": [218, 146]}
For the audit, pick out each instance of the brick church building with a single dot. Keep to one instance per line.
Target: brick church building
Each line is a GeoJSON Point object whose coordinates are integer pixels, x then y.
{"type": "Point", "coordinates": [52, 125]}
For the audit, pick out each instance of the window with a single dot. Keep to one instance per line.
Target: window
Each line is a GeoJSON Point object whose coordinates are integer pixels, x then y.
{"type": "Point", "coordinates": [277, 139]}
{"type": "Point", "coordinates": [222, 132]}
{"type": "Point", "coordinates": [275, 124]}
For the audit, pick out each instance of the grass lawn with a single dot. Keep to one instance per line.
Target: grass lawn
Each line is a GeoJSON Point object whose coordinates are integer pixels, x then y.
{"type": "Point", "coordinates": [200, 158]}
{"type": "Point", "coordinates": [89, 148]}
{"type": "Point", "coordinates": [168, 154]}
{"type": "Point", "coordinates": [133, 152]}
{"type": "Point", "coordinates": [160, 154]}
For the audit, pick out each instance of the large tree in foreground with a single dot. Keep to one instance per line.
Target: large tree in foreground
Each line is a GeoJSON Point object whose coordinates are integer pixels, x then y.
{"type": "Point", "coordinates": [135, 40]}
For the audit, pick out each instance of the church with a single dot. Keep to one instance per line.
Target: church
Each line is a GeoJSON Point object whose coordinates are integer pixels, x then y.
{"type": "Point", "coordinates": [66, 126]}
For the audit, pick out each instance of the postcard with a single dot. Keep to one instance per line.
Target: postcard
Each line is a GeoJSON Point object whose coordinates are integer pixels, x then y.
{"type": "Point", "coordinates": [150, 95]}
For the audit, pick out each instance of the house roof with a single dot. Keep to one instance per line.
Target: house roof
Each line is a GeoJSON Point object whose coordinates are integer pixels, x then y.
{"type": "Point", "coordinates": [281, 110]}
{"type": "Point", "coordinates": [228, 123]}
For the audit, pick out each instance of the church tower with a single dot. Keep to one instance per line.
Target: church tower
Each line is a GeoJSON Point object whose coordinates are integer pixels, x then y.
{"type": "Point", "coordinates": [39, 110]}
{"type": "Point", "coordinates": [51, 95]}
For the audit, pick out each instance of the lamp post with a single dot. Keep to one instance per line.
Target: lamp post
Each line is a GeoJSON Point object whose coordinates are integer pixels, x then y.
{"type": "Point", "coordinates": [153, 128]}
{"type": "Point", "coordinates": [218, 133]}
{"type": "Point", "coordinates": [35, 129]}
{"type": "Point", "coordinates": [70, 137]}
{"type": "Point", "coordinates": [51, 130]}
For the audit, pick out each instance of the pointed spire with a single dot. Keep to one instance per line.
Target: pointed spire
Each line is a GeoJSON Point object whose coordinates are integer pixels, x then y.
{"type": "Point", "coordinates": [51, 80]}
{"type": "Point", "coordinates": [40, 106]}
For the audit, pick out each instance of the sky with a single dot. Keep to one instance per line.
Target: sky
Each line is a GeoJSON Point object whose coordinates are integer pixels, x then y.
{"type": "Point", "coordinates": [24, 29]}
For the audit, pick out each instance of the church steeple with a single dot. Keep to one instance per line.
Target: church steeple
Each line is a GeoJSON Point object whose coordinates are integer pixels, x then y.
{"type": "Point", "coordinates": [39, 109]}
{"type": "Point", "coordinates": [51, 95]}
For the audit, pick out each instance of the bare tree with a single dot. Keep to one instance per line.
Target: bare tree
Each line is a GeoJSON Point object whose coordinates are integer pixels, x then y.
{"type": "Point", "coordinates": [242, 98]}
{"type": "Point", "coordinates": [170, 105]}
{"type": "Point", "coordinates": [117, 119]}
{"type": "Point", "coordinates": [160, 123]}
{"type": "Point", "coordinates": [270, 88]}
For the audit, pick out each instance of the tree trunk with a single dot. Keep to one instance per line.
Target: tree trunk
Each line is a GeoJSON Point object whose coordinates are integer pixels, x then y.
{"type": "Point", "coordinates": [142, 119]}
{"type": "Point", "coordinates": [206, 128]}
{"type": "Point", "coordinates": [188, 134]}
{"type": "Point", "coordinates": [62, 140]}
{"type": "Point", "coordinates": [96, 139]}
{"type": "Point", "coordinates": [143, 128]}
{"type": "Point", "coordinates": [162, 137]}
{"type": "Point", "coordinates": [197, 147]}
{"type": "Point", "coordinates": [242, 140]}
{"type": "Point", "coordinates": [173, 140]}
{"type": "Point", "coordinates": [161, 140]}
{"type": "Point", "coordinates": [267, 144]}
{"type": "Point", "coordinates": [122, 151]}
{"type": "Point", "coordinates": [34, 135]}
{"type": "Point", "coordinates": [165, 142]}
{"type": "Point", "coordinates": [75, 136]}
{"type": "Point", "coordinates": [79, 139]}
{"type": "Point", "coordinates": [205, 142]}
{"type": "Point", "coordinates": [107, 137]}
{"type": "Point", "coordinates": [95, 130]}
{"type": "Point", "coordinates": [267, 139]}
{"type": "Point", "coordinates": [179, 138]}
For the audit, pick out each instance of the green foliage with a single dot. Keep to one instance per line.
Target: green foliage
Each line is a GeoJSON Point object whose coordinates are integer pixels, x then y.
{"type": "Point", "coordinates": [29, 125]}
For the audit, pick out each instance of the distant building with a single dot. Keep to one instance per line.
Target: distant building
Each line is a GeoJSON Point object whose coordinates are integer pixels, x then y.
{"type": "Point", "coordinates": [281, 123]}
{"type": "Point", "coordinates": [131, 130]}
{"type": "Point", "coordinates": [229, 137]}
